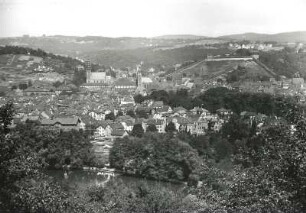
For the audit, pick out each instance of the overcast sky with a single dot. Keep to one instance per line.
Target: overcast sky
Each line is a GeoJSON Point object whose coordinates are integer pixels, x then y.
{"type": "Point", "coordinates": [146, 18]}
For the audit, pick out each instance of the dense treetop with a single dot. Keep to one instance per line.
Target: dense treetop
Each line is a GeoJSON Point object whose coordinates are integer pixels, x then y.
{"type": "Point", "coordinates": [221, 97]}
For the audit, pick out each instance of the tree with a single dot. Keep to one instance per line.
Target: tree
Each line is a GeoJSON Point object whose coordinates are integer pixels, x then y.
{"type": "Point", "coordinates": [141, 113]}
{"type": "Point", "coordinates": [138, 197]}
{"type": "Point", "coordinates": [131, 113]}
{"type": "Point", "coordinates": [235, 129]}
{"type": "Point", "coordinates": [23, 188]}
{"type": "Point", "coordinates": [120, 113]}
{"type": "Point", "coordinates": [272, 176]}
{"type": "Point", "coordinates": [6, 117]}
{"type": "Point", "coordinates": [110, 116]}
{"type": "Point", "coordinates": [157, 156]}
{"type": "Point", "coordinates": [79, 77]}
{"type": "Point", "coordinates": [30, 83]}
{"type": "Point", "coordinates": [170, 127]}
{"type": "Point", "coordinates": [151, 128]}
{"type": "Point", "coordinates": [137, 131]}
{"type": "Point", "coordinates": [139, 98]}
{"type": "Point", "coordinates": [243, 52]}
{"type": "Point", "coordinates": [22, 86]}
{"type": "Point", "coordinates": [270, 182]}
{"type": "Point", "coordinates": [182, 92]}
{"type": "Point", "coordinates": [160, 95]}
{"type": "Point", "coordinates": [57, 84]}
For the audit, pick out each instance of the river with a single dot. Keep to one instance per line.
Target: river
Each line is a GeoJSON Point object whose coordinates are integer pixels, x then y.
{"type": "Point", "coordinates": [79, 179]}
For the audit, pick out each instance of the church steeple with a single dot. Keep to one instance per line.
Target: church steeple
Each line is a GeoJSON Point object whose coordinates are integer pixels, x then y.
{"type": "Point", "coordinates": [138, 76]}
{"type": "Point", "coordinates": [88, 70]}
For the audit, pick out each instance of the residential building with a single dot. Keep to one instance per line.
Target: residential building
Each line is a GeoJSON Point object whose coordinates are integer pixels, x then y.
{"type": "Point", "coordinates": [66, 124]}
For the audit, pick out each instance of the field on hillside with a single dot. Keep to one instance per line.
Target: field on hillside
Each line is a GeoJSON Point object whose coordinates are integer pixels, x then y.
{"type": "Point", "coordinates": [286, 62]}
{"type": "Point", "coordinates": [15, 68]}
{"type": "Point", "coordinates": [253, 70]}
{"type": "Point", "coordinates": [211, 69]}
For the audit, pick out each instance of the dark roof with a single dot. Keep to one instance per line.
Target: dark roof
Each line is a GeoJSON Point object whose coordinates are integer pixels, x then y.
{"type": "Point", "coordinates": [118, 132]}
{"type": "Point", "coordinates": [141, 108]}
{"type": "Point", "coordinates": [94, 84]}
{"type": "Point", "coordinates": [33, 89]}
{"type": "Point", "coordinates": [117, 126]}
{"type": "Point", "coordinates": [63, 88]}
{"type": "Point", "coordinates": [104, 124]}
{"type": "Point", "coordinates": [223, 110]}
{"type": "Point", "coordinates": [124, 118]}
{"type": "Point", "coordinates": [129, 122]}
{"type": "Point", "coordinates": [157, 104]}
{"type": "Point", "coordinates": [124, 82]}
{"type": "Point", "coordinates": [151, 121]}
{"type": "Point", "coordinates": [163, 109]}
{"type": "Point", "coordinates": [62, 121]}
{"type": "Point", "coordinates": [193, 118]}
{"type": "Point", "coordinates": [183, 121]}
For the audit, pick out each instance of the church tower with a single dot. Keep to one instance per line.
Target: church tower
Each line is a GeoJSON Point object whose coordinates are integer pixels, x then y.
{"type": "Point", "coordinates": [139, 80]}
{"type": "Point", "coordinates": [88, 70]}
{"type": "Point", "coordinates": [138, 77]}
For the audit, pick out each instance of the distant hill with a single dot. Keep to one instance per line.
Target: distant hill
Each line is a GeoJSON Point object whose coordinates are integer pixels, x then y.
{"type": "Point", "coordinates": [123, 51]}
{"type": "Point", "coordinates": [183, 37]}
{"type": "Point", "coordinates": [75, 46]}
{"type": "Point", "coordinates": [279, 37]}
{"type": "Point", "coordinates": [164, 50]}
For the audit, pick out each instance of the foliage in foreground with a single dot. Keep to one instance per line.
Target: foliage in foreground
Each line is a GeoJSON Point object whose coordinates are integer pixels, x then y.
{"type": "Point", "coordinates": [140, 197]}
{"type": "Point", "coordinates": [155, 156]}
{"type": "Point", "coordinates": [55, 148]}
{"type": "Point", "coordinates": [268, 176]}
{"type": "Point", "coordinates": [23, 186]}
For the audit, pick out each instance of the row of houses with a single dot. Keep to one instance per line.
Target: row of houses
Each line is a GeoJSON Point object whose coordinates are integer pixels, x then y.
{"type": "Point", "coordinates": [78, 111]}
{"type": "Point", "coordinates": [197, 121]}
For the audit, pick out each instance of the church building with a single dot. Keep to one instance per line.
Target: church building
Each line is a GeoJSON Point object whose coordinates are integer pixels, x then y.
{"type": "Point", "coordinates": [95, 80]}
{"type": "Point", "coordinates": [98, 76]}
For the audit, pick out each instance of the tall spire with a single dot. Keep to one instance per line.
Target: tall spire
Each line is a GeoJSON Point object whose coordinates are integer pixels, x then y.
{"type": "Point", "coordinates": [138, 75]}
{"type": "Point", "coordinates": [88, 70]}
